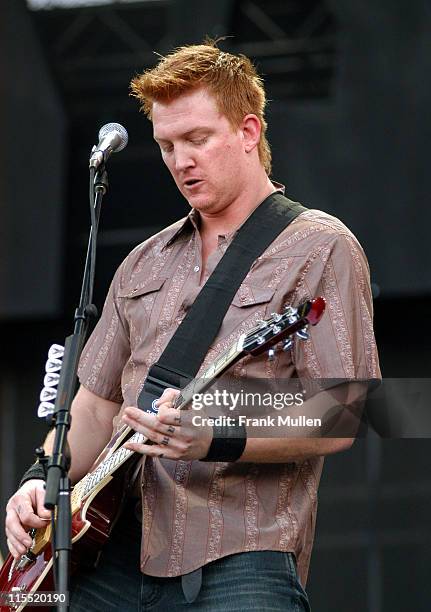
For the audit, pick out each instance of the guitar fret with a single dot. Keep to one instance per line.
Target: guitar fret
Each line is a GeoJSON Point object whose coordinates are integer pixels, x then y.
{"type": "Point", "coordinates": [122, 454]}
{"type": "Point", "coordinates": [93, 479]}
{"type": "Point", "coordinates": [179, 399]}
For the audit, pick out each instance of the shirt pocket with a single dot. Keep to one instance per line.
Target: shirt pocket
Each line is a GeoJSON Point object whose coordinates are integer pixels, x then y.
{"type": "Point", "coordinates": [250, 304]}
{"type": "Point", "coordinates": [142, 305]}
{"type": "Point", "coordinates": [252, 295]}
{"type": "Point", "coordinates": [141, 290]}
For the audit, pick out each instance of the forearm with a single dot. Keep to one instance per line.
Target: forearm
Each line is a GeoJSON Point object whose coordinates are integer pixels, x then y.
{"type": "Point", "coordinates": [338, 409]}
{"type": "Point", "coordinates": [286, 450]}
{"type": "Point", "coordinates": [90, 431]}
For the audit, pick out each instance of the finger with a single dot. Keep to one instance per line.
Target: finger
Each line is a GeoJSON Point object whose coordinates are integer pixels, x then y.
{"type": "Point", "coordinates": [151, 451]}
{"type": "Point", "coordinates": [139, 417]}
{"type": "Point", "coordinates": [169, 416]}
{"type": "Point", "coordinates": [150, 433]}
{"type": "Point", "coordinates": [151, 428]}
{"type": "Point", "coordinates": [20, 542]}
{"type": "Point", "coordinates": [16, 547]}
{"type": "Point", "coordinates": [168, 396]}
{"type": "Point", "coordinates": [140, 425]}
{"type": "Point", "coordinates": [163, 435]}
{"type": "Point", "coordinates": [12, 549]}
{"type": "Point", "coordinates": [13, 525]}
{"type": "Point", "coordinates": [26, 514]}
{"type": "Point", "coordinates": [42, 512]}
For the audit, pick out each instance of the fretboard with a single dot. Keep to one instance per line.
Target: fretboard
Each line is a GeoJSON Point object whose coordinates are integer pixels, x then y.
{"type": "Point", "coordinates": [91, 481]}
{"type": "Point", "coordinates": [216, 368]}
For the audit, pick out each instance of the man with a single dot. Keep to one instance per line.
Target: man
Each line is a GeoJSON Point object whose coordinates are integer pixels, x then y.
{"type": "Point", "coordinates": [222, 535]}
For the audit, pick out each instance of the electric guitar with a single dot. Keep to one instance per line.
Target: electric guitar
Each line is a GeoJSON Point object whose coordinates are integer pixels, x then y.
{"type": "Point", "coordinates": [96, 499]}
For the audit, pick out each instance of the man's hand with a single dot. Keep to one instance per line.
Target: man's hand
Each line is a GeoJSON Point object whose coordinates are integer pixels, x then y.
{"type": "Point", "coordinates": [171, 431]}
{"type": "Point", "coordinates": [25, 510]}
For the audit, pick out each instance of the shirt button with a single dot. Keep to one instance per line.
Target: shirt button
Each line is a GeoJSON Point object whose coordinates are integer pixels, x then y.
{"type": "Point", "coordinates": [196, 269]}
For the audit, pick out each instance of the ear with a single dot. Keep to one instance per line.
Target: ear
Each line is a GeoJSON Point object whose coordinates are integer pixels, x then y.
{"type": "Point", "coordinates": [251, 129]}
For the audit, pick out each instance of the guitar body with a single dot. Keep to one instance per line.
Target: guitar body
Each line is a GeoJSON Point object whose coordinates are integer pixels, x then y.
{"type": "Point", "coordinates": [93, 518]}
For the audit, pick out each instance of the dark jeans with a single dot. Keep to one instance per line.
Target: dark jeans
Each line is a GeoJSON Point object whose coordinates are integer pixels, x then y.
{"type": "Point", "coordinates": [259, 580]}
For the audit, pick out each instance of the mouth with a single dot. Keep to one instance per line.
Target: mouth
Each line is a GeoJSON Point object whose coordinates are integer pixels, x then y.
{"type": "Point", "coordinates": [190, 183]}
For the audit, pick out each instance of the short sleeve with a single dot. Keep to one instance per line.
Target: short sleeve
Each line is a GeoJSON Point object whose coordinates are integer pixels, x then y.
{"type": "Point", "coordinates": [107, 350]}
{"type": "Point", "coordinates": [342, 345]}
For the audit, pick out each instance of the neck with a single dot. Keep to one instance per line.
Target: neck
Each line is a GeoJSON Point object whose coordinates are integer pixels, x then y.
{"type": "Point", "coordinates": [227, 220]}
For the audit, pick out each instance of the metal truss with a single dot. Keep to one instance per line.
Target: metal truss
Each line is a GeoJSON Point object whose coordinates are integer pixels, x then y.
{"type": "Point", "coordinates": [94, 51]}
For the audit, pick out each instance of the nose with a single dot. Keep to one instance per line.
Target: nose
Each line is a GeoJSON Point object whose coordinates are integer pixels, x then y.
{"type": "Point", "coordinates": [183, 158]}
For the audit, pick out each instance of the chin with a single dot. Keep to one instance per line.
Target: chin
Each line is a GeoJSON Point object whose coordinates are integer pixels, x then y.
{"type": "Point", "coordinates": [201, 204]}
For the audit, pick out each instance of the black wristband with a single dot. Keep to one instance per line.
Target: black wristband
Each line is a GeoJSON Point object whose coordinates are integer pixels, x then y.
{"type": "Point", "coordinates": [228, 443]}
{"type": "Point", "coordinates": [34, 471]}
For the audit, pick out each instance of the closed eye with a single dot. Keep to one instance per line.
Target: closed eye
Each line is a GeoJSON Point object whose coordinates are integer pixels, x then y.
{"type": "Point", "coordinates": [166, 148]}
{"type": "Point", "coordinates": [199, 141]}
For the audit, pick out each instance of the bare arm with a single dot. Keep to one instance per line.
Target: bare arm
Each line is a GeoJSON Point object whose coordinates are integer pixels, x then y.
{"type": "Point", "coordinates": [340, 408]}
{"type": "Point", "coordinates": [285, 450]}
{"type": "Point", "coordinates": [90, 431]}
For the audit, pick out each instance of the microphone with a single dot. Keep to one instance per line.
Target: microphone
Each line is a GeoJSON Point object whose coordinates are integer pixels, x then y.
{"type": "Point", "coordinates": [113, 137]}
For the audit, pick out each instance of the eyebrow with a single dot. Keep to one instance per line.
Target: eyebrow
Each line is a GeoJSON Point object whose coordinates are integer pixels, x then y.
{"type": "Point", "coordinates": [186, 134]}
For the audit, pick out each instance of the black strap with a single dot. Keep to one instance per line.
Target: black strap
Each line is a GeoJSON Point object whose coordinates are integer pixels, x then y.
{"type": "Point", "coordinates": [184, 354]}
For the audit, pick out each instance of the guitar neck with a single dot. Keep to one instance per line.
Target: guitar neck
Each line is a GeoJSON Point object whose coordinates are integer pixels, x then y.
{"type": "Point", "coordinates": [215, 369]}
{"type": "Point", "coordinates": [107, 467]}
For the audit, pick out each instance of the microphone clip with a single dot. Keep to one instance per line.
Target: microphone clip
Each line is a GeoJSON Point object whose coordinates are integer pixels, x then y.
{"type": "Point", "coordinates": [97, 158]}
{"type": "Point", "coordinates": [101, 182]}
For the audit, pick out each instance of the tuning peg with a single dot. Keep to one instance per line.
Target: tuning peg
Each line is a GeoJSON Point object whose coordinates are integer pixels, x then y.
{"type": "Point", "coordinates": [291, 314]}
{"type": "Point", "coordinates": [262, 323]}
{"type": "Point", "coordinates": [276, 329]}
{"type": "Point", "coordinates": [303, 334]}
{"type": "Point", "coordinates": [271, 354]}
{"type": "Point", "coordinates": [276, 316]}
{"type": "Point", "coordinates": [260, 340]}
{"type": "Point", "coordinates": [287, 344]}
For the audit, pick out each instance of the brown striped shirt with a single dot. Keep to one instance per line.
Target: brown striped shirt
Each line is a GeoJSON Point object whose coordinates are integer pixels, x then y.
{"type": "Point", "coordinates": [196, 512]}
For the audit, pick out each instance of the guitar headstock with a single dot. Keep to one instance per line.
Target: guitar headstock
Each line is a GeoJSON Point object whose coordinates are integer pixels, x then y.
{"type": "Point", "coordinates": [281, 326]}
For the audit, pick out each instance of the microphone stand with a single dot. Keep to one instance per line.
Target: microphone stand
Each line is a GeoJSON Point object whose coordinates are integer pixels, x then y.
{"type": "Point", "coordinates": [57, 496]}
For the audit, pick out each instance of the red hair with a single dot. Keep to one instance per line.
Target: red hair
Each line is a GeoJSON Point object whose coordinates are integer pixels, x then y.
{"type": "Point", "coordinates": [231, 79]}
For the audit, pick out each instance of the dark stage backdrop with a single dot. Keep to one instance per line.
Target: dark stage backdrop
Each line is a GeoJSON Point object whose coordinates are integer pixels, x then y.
{"type": "Point", "coordinates": [360, 153]}
{"type": "Point", "coordinates": [363, 154]}
{"type": "Point", "coordinates": [32, 189]}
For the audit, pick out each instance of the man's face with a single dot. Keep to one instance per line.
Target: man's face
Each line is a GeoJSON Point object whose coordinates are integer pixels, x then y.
{"type": "Point", "coordinates": [204, 154]}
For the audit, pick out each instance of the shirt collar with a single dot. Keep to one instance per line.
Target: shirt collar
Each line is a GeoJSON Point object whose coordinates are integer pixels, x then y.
{"type": "Point", "coordinates": [192, 221]}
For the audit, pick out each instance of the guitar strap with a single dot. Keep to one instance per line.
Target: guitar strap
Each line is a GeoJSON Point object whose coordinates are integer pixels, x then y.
{"type": "Point", "coordinates": [184, 354]}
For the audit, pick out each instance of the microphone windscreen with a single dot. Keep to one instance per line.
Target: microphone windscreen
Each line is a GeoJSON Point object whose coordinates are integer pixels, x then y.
{"type": "Point", "coordinates": [120, 130]}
